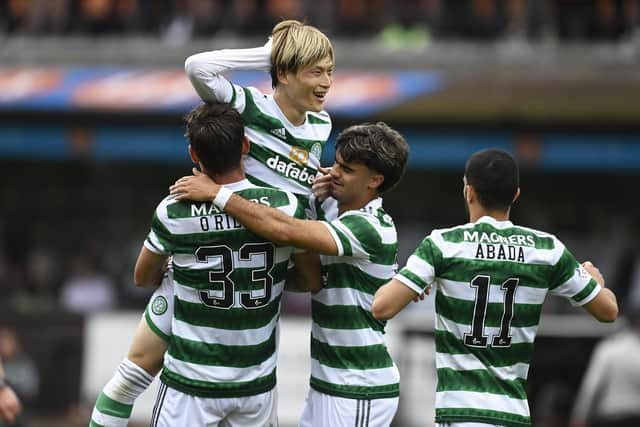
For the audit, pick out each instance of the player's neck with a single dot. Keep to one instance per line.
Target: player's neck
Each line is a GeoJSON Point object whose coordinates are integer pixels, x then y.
{"type": "Point", "coordinates": [498, 215]}
{"type": "Point", "coordinates": [229, 177]}
{"type": "Point", "coordinates": [295, 116]}
{"type": "Point", "coordinates": [356, 204]}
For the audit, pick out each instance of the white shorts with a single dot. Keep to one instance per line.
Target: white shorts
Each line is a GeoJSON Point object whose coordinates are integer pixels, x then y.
{"type": "Point", "coordinates": [322, 410]}
{"type": "Point", "coordinates": [159, 311]}
{"type": "Point", "coordinates": [175, 408]}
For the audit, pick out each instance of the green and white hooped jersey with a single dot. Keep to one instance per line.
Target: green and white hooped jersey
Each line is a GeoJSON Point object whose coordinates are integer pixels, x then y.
{"type": "Point", "coordinates": [281, 155]}
{"type": "Point", "coordinates": [348, 355]}
{"type": "Point", "coordinates": [491, 279]}
{"type": "Point", "coordinates": [227, 289]}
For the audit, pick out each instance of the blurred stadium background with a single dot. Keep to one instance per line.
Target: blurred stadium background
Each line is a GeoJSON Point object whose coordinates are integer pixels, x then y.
{"type": "Point", "coordinates": [92, 93]}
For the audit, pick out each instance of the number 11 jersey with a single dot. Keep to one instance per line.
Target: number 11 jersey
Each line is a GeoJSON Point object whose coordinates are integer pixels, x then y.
{"type": "Point", "coordinates": [491, 279]}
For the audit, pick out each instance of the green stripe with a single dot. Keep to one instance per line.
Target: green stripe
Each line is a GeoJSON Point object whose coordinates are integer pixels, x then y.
{"type": "Point", "coordinates": [461, 311]}
{"type": "Point", "coordinates": [370, 239]}
{"type": "Point", "coordinates": [111, 407]}
{"type": "Point", "coordinates": [459, 415]}
{"type": "Point", "coordinates": [586, 291]}
{"type": "Point", "coordinates": [232, 319]}
{"type": "Point", "coordinates": [344, 317]}
{"type": "Point", "coordinates": [413, 277]}
{"type": "Point", "coordinates": [464, 270]}
{"type": "Point", "coordinates": [344, 240]}
{"type": "Point", "coordinates": [241, 277]}
{"type": "Point", "coordinates": [232, 356]}
{"type": "Point", "coordinates": [384, 218]}
{"type": "Point", "coordinates": [315, 120]}
{"type": "Point", "coordinates": [355, 392]}
{"type": "Point", "coordinates": [341, 275]}
{"type": "Point", "coordinates": [480, 381]}
{"type": "Point", "coordinates": [218, 389]}
{"type": "Point", "coordinates": [564, 269]}
{"type": "Point", "coordinates": [360, 357]}
{"type": "Point", "coordinates": [457, 235]}
{"type": "Point", "coordinates": [446, 342]}
{"type": "Point", "coordinates": [255, 119]}
{"type": "Point", "coordinates": [153, 327]}
{"type": "Point", "coordinates": [429, 252]}
{"type": "Point", "coordinates": [95, 424]}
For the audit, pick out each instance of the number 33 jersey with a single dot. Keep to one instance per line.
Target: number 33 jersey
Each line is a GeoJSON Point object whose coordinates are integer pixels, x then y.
{"type": "Point", "coordinates": [227, 288]}
{"type": "Point", "coordinates": [491, 279]}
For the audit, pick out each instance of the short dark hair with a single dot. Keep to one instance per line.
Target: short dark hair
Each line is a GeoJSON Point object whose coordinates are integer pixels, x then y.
{"type": "Point", "coordinates": [215, 132]}
{"type": "Point", "coordinates": [494, 176]}
{"type": "Point", "coordinates": [378, 147]}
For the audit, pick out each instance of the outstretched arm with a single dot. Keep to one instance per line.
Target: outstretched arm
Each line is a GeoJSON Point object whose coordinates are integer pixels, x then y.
{"type": "Point", "coordinates": [267, 222]}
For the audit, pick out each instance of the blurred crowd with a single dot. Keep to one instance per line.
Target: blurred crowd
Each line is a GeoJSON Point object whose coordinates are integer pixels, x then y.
{"type": "Point", "coordinates": [422, 19]}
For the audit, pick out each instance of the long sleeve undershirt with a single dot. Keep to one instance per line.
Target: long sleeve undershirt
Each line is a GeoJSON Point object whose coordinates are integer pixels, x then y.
{"type": "Point", "coordinates": [204, 69]}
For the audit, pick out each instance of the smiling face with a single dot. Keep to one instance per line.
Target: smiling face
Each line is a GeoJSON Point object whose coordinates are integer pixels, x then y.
{"type": "Point", "coordinates": [353, 184]}
{"type": "Point", "coordinates": [304, 90]}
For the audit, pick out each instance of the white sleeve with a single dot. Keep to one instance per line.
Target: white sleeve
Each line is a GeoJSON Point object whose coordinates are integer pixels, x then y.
{"type": "Point", "coordinates": [203, 69]}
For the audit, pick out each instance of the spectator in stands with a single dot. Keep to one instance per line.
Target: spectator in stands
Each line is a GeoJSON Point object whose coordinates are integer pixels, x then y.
{"type": "Point", "coordinates": [86, 290]}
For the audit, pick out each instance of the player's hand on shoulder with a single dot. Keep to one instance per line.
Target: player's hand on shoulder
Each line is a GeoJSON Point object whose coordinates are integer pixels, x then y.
{"type": "Point", "coordinates": [199, 187]}
{"type": "Point", "coordinates": [594, 272]}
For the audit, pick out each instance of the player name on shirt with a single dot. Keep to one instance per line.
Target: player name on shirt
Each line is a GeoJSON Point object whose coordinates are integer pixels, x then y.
{"type": "Point", "coordinates": [498, 247]}
{"type": "Point", "coordinates": [212, 219]}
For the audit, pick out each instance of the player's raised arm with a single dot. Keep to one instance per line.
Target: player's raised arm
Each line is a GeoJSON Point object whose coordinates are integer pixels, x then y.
{"type": "Point", "coordinates": [204, 69]}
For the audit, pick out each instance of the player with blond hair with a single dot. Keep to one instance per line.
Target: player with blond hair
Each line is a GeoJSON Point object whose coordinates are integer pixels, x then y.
{"type": "Point", "coordinates": [287, 132]}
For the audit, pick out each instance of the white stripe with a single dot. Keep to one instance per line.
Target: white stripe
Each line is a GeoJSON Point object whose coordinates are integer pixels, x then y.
{"type": "Point", "coordinates": [574, 286]}
{"type": "Point", "coordinates": [518, 335]}
{"type": "Point", "coordinates": [355, 377]}
{"type": "Point", "coordinates": [356, 248]}
{"type": "Point", "coordinates": [156, 247]}
{"type": "Point", "coordinates": [464, 291]}
{"type": "Point", "coordinates": [347, 337]}
{"type": "Point", "coordinates": [208, 335]}
{"type": "Point", "coordinates": [421, 268]}
{"type": "Point", "coordinates": [468, 250]}
{"type": "Point", "coordinates": [188, 294]}
{"type": "Point", "coordinates": [344, 296]}
{"type": "Point", "coordinates": [335, 239]}
{"type": "Point", "coordinates": [379, 271]}
{"type": "Point", "coordinates": [470, 399]}
{"type": "Point", "coordinates": [108, 420]}
{"type": "Point", "coordinates": [467, 362]}
{"type": "Point", "coordinates": [199, 372]}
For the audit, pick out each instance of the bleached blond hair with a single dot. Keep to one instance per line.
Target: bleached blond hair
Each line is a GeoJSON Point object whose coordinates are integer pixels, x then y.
{"type": "Point", "coordinates": [297, 45]}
